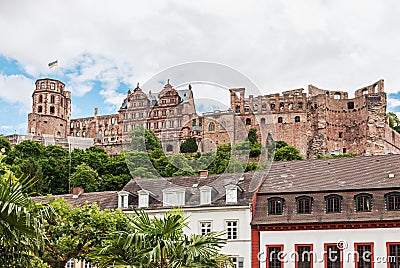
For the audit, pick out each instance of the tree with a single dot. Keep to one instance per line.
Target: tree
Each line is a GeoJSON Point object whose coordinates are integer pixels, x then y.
{"type": "Point", "coordinates": [5, 143]}
{"type": "Point", "coordinates": [189, 146]}
{"type": "Point", "coordinates": [21, 221]}
{"type": "Point", "coordinates": [287, 153]}
{"type": "Point", "coordinates": [394, 121]}
{"type": "Point", "coordinates": [161, 242]}
{"type": "Point", "coordinates": [144, 140]}
{"type": "Point", "coordinates": [85, 177]}
{"type": "Point", "coordinates": [78, 232]}
{"type": "Point", "coordinates": [252, 135]}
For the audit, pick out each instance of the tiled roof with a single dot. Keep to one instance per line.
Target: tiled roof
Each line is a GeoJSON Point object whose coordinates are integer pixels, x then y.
{"type": "Point", "coordinates": [346, 177]}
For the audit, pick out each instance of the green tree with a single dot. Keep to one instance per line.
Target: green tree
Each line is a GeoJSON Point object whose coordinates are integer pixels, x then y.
{"type": "Point", "coordinates": [394, 121]}
{"type": "Point", "coordinates": [287, 153]}
{"type": "Point", "coordinates": [78, 232]}
{"type": "Point", "coordinates": [5, 143]}
{"type": "Point", "coordinates": [252, 135]}
{"type": "Point", "coordinates": [161, 242]}
{"type": "Point", "coordinates": [85, 177]}
{"type": "Point", "coordinates": [189, 146]}
{"type": "Point", "coordinates": [144, 140]}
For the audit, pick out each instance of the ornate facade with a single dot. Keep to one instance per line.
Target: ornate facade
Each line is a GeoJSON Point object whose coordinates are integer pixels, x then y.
{"type": "Point", "coordinates": [320, 123]}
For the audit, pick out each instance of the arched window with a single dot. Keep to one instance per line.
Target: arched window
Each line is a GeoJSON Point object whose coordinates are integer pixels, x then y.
{"type": "Point", "coordinates": [248, 121]}
{"type": "Point", "coordinates": [281, 106]}
{"type": "Point", "coordinates": [169, 148]}
{"type": "Point", "coordinates": [264, 106]}
{"type": "Point", "coordinates": [61, 102]}
{"type": "Point", "coordinates": [78, 134]}
{"type": "Point", "coordinates": [255, 107]}
{"type": "Point", "coordinates": [304, 204]}
{"type": "Point", "coordinates": [365, 91]}
{"type": "Point", "coordinates": [84, 134]}
{"type": "Point", "coordinates": [280, 119]}
{"type": "Point", "coordinates": [363, 202]}
{"type": "Point", "coordinates": [40, 98]}
{"type": "Point", "coordinates": [297, 119]}
{"type": "Point", "coordinates": [336, 96]}
{"type": "Point", "coordinates": [42, 85]}
{"type": "Point", "coordinates": [262, 121]}
{"type": "Point", "coordinates": [52, 99]}
{"type": "Point", "coordinates": [40, 109]}
{"type": "Point", "coordinates": [52, 109]}
{"type": "Point", "coordinates": [211, 127]}
{"type": "Point", "coordinates": [392, 201]}
{"type": "Point", "coordinates": [237, 109]}
{"type": "Point", "coordinates": [333, 203]}
{"type": "Point", "coordinates": [275, 206]}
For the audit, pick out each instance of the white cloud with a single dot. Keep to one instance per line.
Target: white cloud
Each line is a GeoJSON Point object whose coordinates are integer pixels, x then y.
{"type": "Point", "coordinates": [393, 103]}
{"type": "Point", "coordinates": [13, 129]}
{"type": "Point", "coordinates": [17, 89]}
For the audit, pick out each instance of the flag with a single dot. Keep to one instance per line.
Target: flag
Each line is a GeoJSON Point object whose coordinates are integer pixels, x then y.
{"type": "Point", "coordinates": [53, 64]}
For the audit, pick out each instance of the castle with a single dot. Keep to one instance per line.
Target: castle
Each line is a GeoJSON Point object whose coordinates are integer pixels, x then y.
{"type": "Point", "coordinates": [323, 122]}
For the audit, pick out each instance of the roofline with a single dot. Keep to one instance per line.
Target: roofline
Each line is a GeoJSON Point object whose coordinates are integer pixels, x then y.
{"type": "Point", "coordinates": [330, 191]}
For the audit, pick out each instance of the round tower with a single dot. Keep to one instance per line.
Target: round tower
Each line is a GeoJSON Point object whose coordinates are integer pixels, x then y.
{"type": "Point", "coordinates": [51, 109]}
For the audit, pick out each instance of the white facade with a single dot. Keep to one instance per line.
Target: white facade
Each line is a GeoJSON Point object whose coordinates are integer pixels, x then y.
{"type": "Point", "coordinates": [348, 238]}
{"type": "Point", "coordinates": [239, 247]}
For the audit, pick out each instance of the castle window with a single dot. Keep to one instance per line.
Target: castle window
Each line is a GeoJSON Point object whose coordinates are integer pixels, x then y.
{"type": "Point", "coordinates": [255, 107]}
{"type": "Point", "coordinates": [52, 110]}
{"type": "Point", "coordinates": [297, 119]}
{"type": "Point", "coordinates": [164, 113]}
{"type": "Point", "coordinates": [40, 109]}
{"type": "Point", "coordinates": [171, 112]}
{"type": "Point", "coordinates": [304, 204]}
{"type": "Point", "coordinates": [365, 91]}
{"type": "Point", "coordinates": [52, 98]}
{"type": "Point", "coordinates": [179, 111]}
{"type": "Point", "coordinates": [171, 123]}
{"type": "Point", "coordinates": [246, 108]}
{"type": "Point", "coordinates": [84, 134]}
{"type": "Point", "coordinates": [52, 85]}
{"type": "Point", "coordinates": [350, 105]}
{"type": "Point", "coordinates": [156, 113]}
{"type": "Point", "coordinates": [363, 202]}
{"type": "Point", "coordinates": [272, 106]}
{"type": "Point", "coordinates": [281, 106]}
{"type": "Point", "coordinates": [262, 121]}
{"type": "Point", "coordinates": [179, 123]}
{"type": "Point", "coordinates": [42, 85]}
{"type": "Point", "coordinates": [340, 135]}
{"type": "Point", "coordinates": [393, 201]}
{"type": "Point", "coordinates": [172, 101]}
{"type": "Point", "coordinates": [211, 127]}
{"type": "Point", "coordinates": [237, 109]}
{"type": "Point", "coordinates": [264, 106]}
{"type": "Point", "coordinates": [336, 96]}
{"type": "Point", "coordinates": [275, 206]}
{"type": "Point", "coordinates": [280, 120]}
{"type": "Point", "coordinates": [248, 121]}
{"type": "Point", "coordinates": [78, 134]}
{"type": "Point", "coordinates": [164, 124]}
{"type": "Point", "coordinates": [164, 101]}
{"type": "Point", "coordinates": [333, 203]}
{"type": "Point", "coordinates": [40, 98]}
{"type": "Point", "coordinates": [300, 105]}
{"type": "Point", "coordinates": [156, 125]}
{"type": "Point", "coordinates": [169, 148]}
{"type": "Point", "coordinates": [113, 121]}
{"type": "Point", "coordinates": [61, 102]}
{"type": "Point", "coordinates": [167, 94]}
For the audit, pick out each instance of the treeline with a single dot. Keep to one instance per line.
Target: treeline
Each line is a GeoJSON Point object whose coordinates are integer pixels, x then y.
{"type": "Point", "coordinates": [92, 169]}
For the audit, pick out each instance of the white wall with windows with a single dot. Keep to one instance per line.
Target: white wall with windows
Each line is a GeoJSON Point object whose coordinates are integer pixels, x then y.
{"type": "Point", "coordinates": [378, 237]}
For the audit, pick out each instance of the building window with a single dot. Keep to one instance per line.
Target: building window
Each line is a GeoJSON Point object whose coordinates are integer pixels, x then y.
{"type": "Point", "coordinates": [70, 264]}
{"type": "Point", "coordinates": [164, 113]}
{"type": "Point", "coordinates": [336, 96]}
{"type": "Point", "coordinates": [392, 201]}
{"type": "Point", "coordinates": [393, 254]}
{"type": "Point", "coordinates": [264, 106]}
{"type": "Point", "coordinates": [340, 135]}
{"type": "Point", "coordinates": [40, 98]}
{"type": "Point", "coordinates": [333, 257]}
{"type": "Point", "coordinates": [246, 107]}
{"type": "Point", "coordinates": [281, 106]}
{"type": "Point", "coordinates": [179, 111]}
{"type": "Point", "coordinates": [237, 109]}
{"type": "Point", "coordinates": [40, 109]}
{"type": "Point", "coordinates": [52, 99]}
{"type": "Point", "coordinates": [52, 110]}
{"type": "Point", "coordinates": [42, 85]}
{"type": "Point", "coordinates": [169, 148]}
{"type": "Point", "coordinates": [143, 199]}
{"type": "Point", "coordinates": [262, 121]}
{"type": "Point", "coordinates": [163, 101]}
{"type": "Point", "coordinates": [297, 119]}
{"type": "Point", "coordinates": [78, 134]}
{"type": "Point", "coordinates": [205, 227]}
{"type": "Point", "coordinates": [123, 200]}
{"type": "Point", "coordinates": [274, 256]}
{"type": "Point", "coordinates": [363, 202]}
{"type": "Point", "coordinates": [300, 105]}
{"type": "Point", "coordinates": [280, 120]}
{"type": "Point", "coordinates": [179, 123]}
{"type": "Point", "coordinates": [365, 91]}
{"type": "Point", "coordinates": [350, 105]}
{"type": "Point", "coordinates": [156, 113]}
{"type": "Point", "coordinates": [52, 85]}
{"type": "Point", "coordinates": [255, 107]}
{"type": "Point", "coordinates": [171, 124]}
{"type": "Point", "coordinates": [304, 204]}
{"type": "Point", "coordinates": [172, 101]}
{"type": "Point", "coordinates": [164, 124]}
{"type": "Point", "coordinates": [275, 206]}
{"type": "Point", "coordinates": [333, 203]}
{"type": "Point", "coordinates": [211, 127]}
{"type": "Point", "coordinates": [232, 229]}
{"type": "Point", "coordinates": [174, 197]}
{"type": "Point", "coordinates": [248, 121]}
{"type": "Point", "coordinates": [304, 256]}
{"type": "Point", "coordinates": [231, 193]}
{"type": "Point", "coordinates": [364, 255]}
{"type": "Point", "coordinates": [155, 125]}
{"type": "Point", "coordinates": [205, 195]}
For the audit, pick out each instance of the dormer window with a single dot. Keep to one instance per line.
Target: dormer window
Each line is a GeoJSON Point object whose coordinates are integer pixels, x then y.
{"type": "Point", "coordinates": [123, 199]}
{"type": "Point", "coordinates": [231, 193]}
{"type": "Point", "coordinates": [206, 195]}
{"type": "Point", "coordinates": [333, 203]}
{"type": "Point", "coordinates": [174, 197]}
{"type": "Point", "coordinates": [393, 201]}
{"type": "Point", "coordinates": [275, 206]}
{"type": "Point", "coordinates": [143, 199]}
{"type": "Point", "coordinates": [363, 202]}
{"type": "Point", "coordinates": [304, 204]}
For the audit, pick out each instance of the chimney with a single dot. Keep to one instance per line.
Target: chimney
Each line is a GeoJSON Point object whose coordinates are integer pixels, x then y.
{"type": "Point", "coordinates": [203, 174]}
{"type": "Point", "coordinates": [77, 191]}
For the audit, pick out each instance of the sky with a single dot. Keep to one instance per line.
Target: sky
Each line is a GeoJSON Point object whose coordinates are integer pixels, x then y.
{"type": "Point", "coordinates": [104, 48]}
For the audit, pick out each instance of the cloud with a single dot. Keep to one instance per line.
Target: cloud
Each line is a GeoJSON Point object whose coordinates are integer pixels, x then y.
{"type": "Point", "coordinates": [13, 129]}
{"type": "Point", "coordinates": [17, 89]}
{"type": "Point", "coordinates": [393, 103]}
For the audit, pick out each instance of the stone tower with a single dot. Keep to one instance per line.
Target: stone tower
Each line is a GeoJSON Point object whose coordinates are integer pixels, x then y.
{"type": "Point", "coordinates": [51, 109]}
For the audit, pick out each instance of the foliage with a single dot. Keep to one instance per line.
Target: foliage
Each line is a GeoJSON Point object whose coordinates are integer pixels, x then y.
{"type": "Point", "coordinates": [21, 221]}
{"type": "Point", "coordinates": [287, 153]}
{"type": "Point", "coordinates": [394, 121]}
{"type": "Point", "coordinates": [85, 177]}
{"type": "Point", "coordinates": [5, 143]}
{"type": "Point", "coordinates": [280, 144]}
{"type": "Point", "coordinates": [77, 232]}
{"type": "Point", "coordinates": [161, 242]}
{"type": "Point", "coordinates": [189, 146]}
{"type": "Point", "coordinates": [144, 140]}
{"type": "Point", "coordinates": [252, 135]}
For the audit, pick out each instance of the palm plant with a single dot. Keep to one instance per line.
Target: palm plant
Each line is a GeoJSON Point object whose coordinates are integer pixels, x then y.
{"type": "Point", "coordinates": [161, 242]}
{"type": "Point", "coordinates": [20, 221]}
